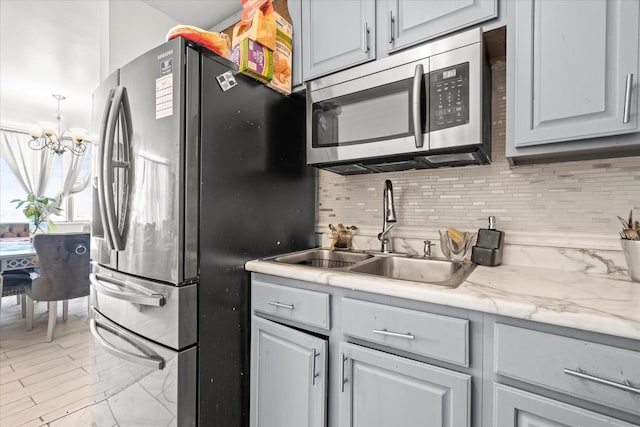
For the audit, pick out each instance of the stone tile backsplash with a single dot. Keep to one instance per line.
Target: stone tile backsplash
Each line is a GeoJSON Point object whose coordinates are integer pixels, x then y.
{"type": "Point", "coordinates": [571, 204]}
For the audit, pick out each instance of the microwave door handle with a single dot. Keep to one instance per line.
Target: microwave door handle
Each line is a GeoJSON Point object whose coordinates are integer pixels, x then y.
{"type": "Point", "coordinates": [416, 104]}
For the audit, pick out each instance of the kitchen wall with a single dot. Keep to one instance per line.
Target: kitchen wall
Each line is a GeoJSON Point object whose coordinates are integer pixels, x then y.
{"type": "Point", "coordinates": [570, 204]}
{"type": "Point", "coordinates": [131, 28]}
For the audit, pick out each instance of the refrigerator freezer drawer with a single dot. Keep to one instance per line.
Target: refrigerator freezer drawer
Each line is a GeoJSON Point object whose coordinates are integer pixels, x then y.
{"type": "Point", "coordinates": [162, 313]}
{"type": "Point", "coordinates": [136, 382]}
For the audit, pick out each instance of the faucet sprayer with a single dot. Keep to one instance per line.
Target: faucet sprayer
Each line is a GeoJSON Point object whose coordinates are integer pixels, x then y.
{"type": "Point", "coordinates": [389, 216]}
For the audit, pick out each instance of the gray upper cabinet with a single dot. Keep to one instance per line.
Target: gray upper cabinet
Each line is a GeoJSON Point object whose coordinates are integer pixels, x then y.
{"type": "Point", "coordinates": [403, 23]}
{"type": "Point", "coordinates": [295, 11]}
{"type": "Point", "coordinates": [288, 376]}
{"type": "Point", "coordinates": [336, 34]}
{"type": "Point", "coordinates": [381, 390]}
{"type": "Point", "coordinates": [573, 67]}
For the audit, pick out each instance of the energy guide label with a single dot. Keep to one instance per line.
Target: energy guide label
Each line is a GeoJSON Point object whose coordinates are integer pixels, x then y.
{"type": "Point", "coordinates": [164, 96]}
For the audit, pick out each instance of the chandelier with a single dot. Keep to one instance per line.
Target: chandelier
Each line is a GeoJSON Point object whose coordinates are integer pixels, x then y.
{"type": "Point", "coordinates": [51, 135]}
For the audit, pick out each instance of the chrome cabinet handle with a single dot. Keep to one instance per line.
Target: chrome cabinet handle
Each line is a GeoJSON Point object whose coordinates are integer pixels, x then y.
{"type": "Point", "coordinates": [626, 115]}
{"type": "Point", "coordinates": [393, 334]}
{"type": "Point", "coordinates": [415, 102]}
{"type": "Point", "coordinates": [391, 21]}
{"type": "Point", "coordinates": [279, 304]}
{"type": "Point", "coordinates": [622, 386]}
{"type": "Point", "coordinates": [365, 34]}
{"type": "Point", "coordinates": [151, 360]}
{"type": "Point", "coordinates": [343, 380]}
{"type": "Point", "coordinates": [314, 374]}
{"type": "Point", "coordinates": [155, 300]}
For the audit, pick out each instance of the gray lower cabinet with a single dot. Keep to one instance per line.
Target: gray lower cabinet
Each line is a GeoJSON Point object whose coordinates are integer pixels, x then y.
{"type": "Point", "coordinates": [402, 23]}
{"type": "Point", "coordinates": [572, 76]}
{"type": "Point", "coordinates": [517, 408]}
{"type": "Point", "coordinates": [288, 376]}
{"type": "Point", "coordinates": [330, 356]}
{"type": "Point", "coordinates": [550, 376]}
{"type": "Point", "coordinates": [379, 389]}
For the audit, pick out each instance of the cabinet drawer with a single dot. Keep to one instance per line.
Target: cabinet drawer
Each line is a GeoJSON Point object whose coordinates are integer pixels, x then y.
{"type": "Point", "coordinates": [299, 305]}
{"type": "Point", "coordinates": [440, 337]}
{"type": "Point", "coordinates": [515, 407]}
{"type": "Point", "coordinates": [595, 372]}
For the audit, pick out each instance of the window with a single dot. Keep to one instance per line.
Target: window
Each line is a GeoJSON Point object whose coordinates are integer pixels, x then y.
{"type": "Point", "coordinates": [77, 208]}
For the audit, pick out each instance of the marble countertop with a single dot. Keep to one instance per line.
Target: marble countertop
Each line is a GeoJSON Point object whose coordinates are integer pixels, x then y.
{"type": "Point", "coordinates": [594, 302]}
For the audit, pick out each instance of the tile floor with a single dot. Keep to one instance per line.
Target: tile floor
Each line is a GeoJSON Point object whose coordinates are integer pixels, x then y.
{"type": "Point", "coordinates": [42, 382]}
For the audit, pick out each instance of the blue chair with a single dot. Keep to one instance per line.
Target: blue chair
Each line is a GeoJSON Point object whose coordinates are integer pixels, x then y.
{"type": "Point", "coordinates": [65, 265]}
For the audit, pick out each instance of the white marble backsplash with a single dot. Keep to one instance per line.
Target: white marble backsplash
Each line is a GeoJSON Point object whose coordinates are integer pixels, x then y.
{"type": "Point", "coordinates": [606, 258]}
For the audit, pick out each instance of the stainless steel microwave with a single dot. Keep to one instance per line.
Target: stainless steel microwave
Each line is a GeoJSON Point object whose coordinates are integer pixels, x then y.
{"type": "Point", "coordinates": [421, 108]}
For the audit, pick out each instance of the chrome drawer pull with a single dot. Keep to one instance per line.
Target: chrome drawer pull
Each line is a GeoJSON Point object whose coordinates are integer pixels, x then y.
{"type": "Point", "coordinates": [279, 304]}
{"type": "Point", "coordinates": [393, 334]}
{"type": "Point", "coordinates": [314, 374]}
{"type": "Point", "coordinates": [580, 374]}
{"type": "Point", "coordinates": [343, 380]}
{"type": "Point", "coordinates": [627, 99]}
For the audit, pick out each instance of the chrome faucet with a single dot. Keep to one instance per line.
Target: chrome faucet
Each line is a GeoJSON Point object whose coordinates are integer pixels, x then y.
{"type": "Point", "coordinates": [388, 216]}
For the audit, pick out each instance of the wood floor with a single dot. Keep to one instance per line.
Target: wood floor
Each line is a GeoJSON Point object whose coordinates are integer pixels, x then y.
{"type": "Point", "coordinates": [42, 382]}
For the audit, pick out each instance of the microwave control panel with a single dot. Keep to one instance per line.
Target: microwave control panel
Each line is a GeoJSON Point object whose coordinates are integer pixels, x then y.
{"type": "Point", "coordinates": [449, 97]}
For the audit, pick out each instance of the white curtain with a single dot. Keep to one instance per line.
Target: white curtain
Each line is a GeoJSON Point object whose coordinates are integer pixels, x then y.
{"type": "Point", "coordinates": [31, 168]}
{"type": "Point", "coordinates": [71, 172]}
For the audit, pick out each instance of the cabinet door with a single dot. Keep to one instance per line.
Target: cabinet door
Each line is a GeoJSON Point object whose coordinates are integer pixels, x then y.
{"type": "Point", "coordinates": [379, 390]}
{"type": "Point", "coordinates": [288, 376]}
{"type": "Point", "coordinates": [336, 34]}
{"type": "Point", "coordinates": [295, 11]}
{"type": "Point", "coordinates": [570, 61]}
{"type": "Point", "coordinates": [406, 22]}
{"type": "Point", "coordinates": [516, 408]}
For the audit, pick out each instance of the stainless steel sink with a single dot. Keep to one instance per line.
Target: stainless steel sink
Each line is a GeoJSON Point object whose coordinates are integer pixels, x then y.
{"type": "Point", "coordinates": [323, 258]}
{"type": "Point", "coordinates": [432, 271]}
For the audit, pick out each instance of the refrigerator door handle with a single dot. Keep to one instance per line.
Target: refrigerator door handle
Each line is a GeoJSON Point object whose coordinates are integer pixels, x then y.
{"type": "Point", "coordinates": [119, 110]}
{"type": "Point", "coordinates": [150, 358]}
{"type": "Point", "coordinates": [153, 300]}
{"type": "Point", "coordinates": [101, 185]}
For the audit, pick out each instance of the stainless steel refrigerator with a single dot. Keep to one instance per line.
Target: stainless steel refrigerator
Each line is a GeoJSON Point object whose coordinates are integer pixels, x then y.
{"type": "Point", "coordinates": [198, 170]}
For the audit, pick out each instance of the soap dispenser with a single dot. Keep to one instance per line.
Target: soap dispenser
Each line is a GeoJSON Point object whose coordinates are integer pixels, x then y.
{"type": "Point", "coordinates": [488, 248]}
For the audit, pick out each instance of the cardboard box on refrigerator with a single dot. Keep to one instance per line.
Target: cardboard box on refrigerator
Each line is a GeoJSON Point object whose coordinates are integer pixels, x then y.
{"type": "Point", "coordinates": [282, 56]}
{"type": "Point", "coordinates": [253, 59]}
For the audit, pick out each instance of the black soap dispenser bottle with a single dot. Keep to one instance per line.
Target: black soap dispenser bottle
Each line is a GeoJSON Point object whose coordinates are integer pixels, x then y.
{"type": "Point", "coordinates": [488, 248]}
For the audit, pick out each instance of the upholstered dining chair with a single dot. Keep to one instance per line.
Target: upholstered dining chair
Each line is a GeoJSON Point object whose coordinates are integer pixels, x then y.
{"type": "Point", "coordinates": [14, 282]}
{"type": "Point", "coordinates": [65, 264]}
